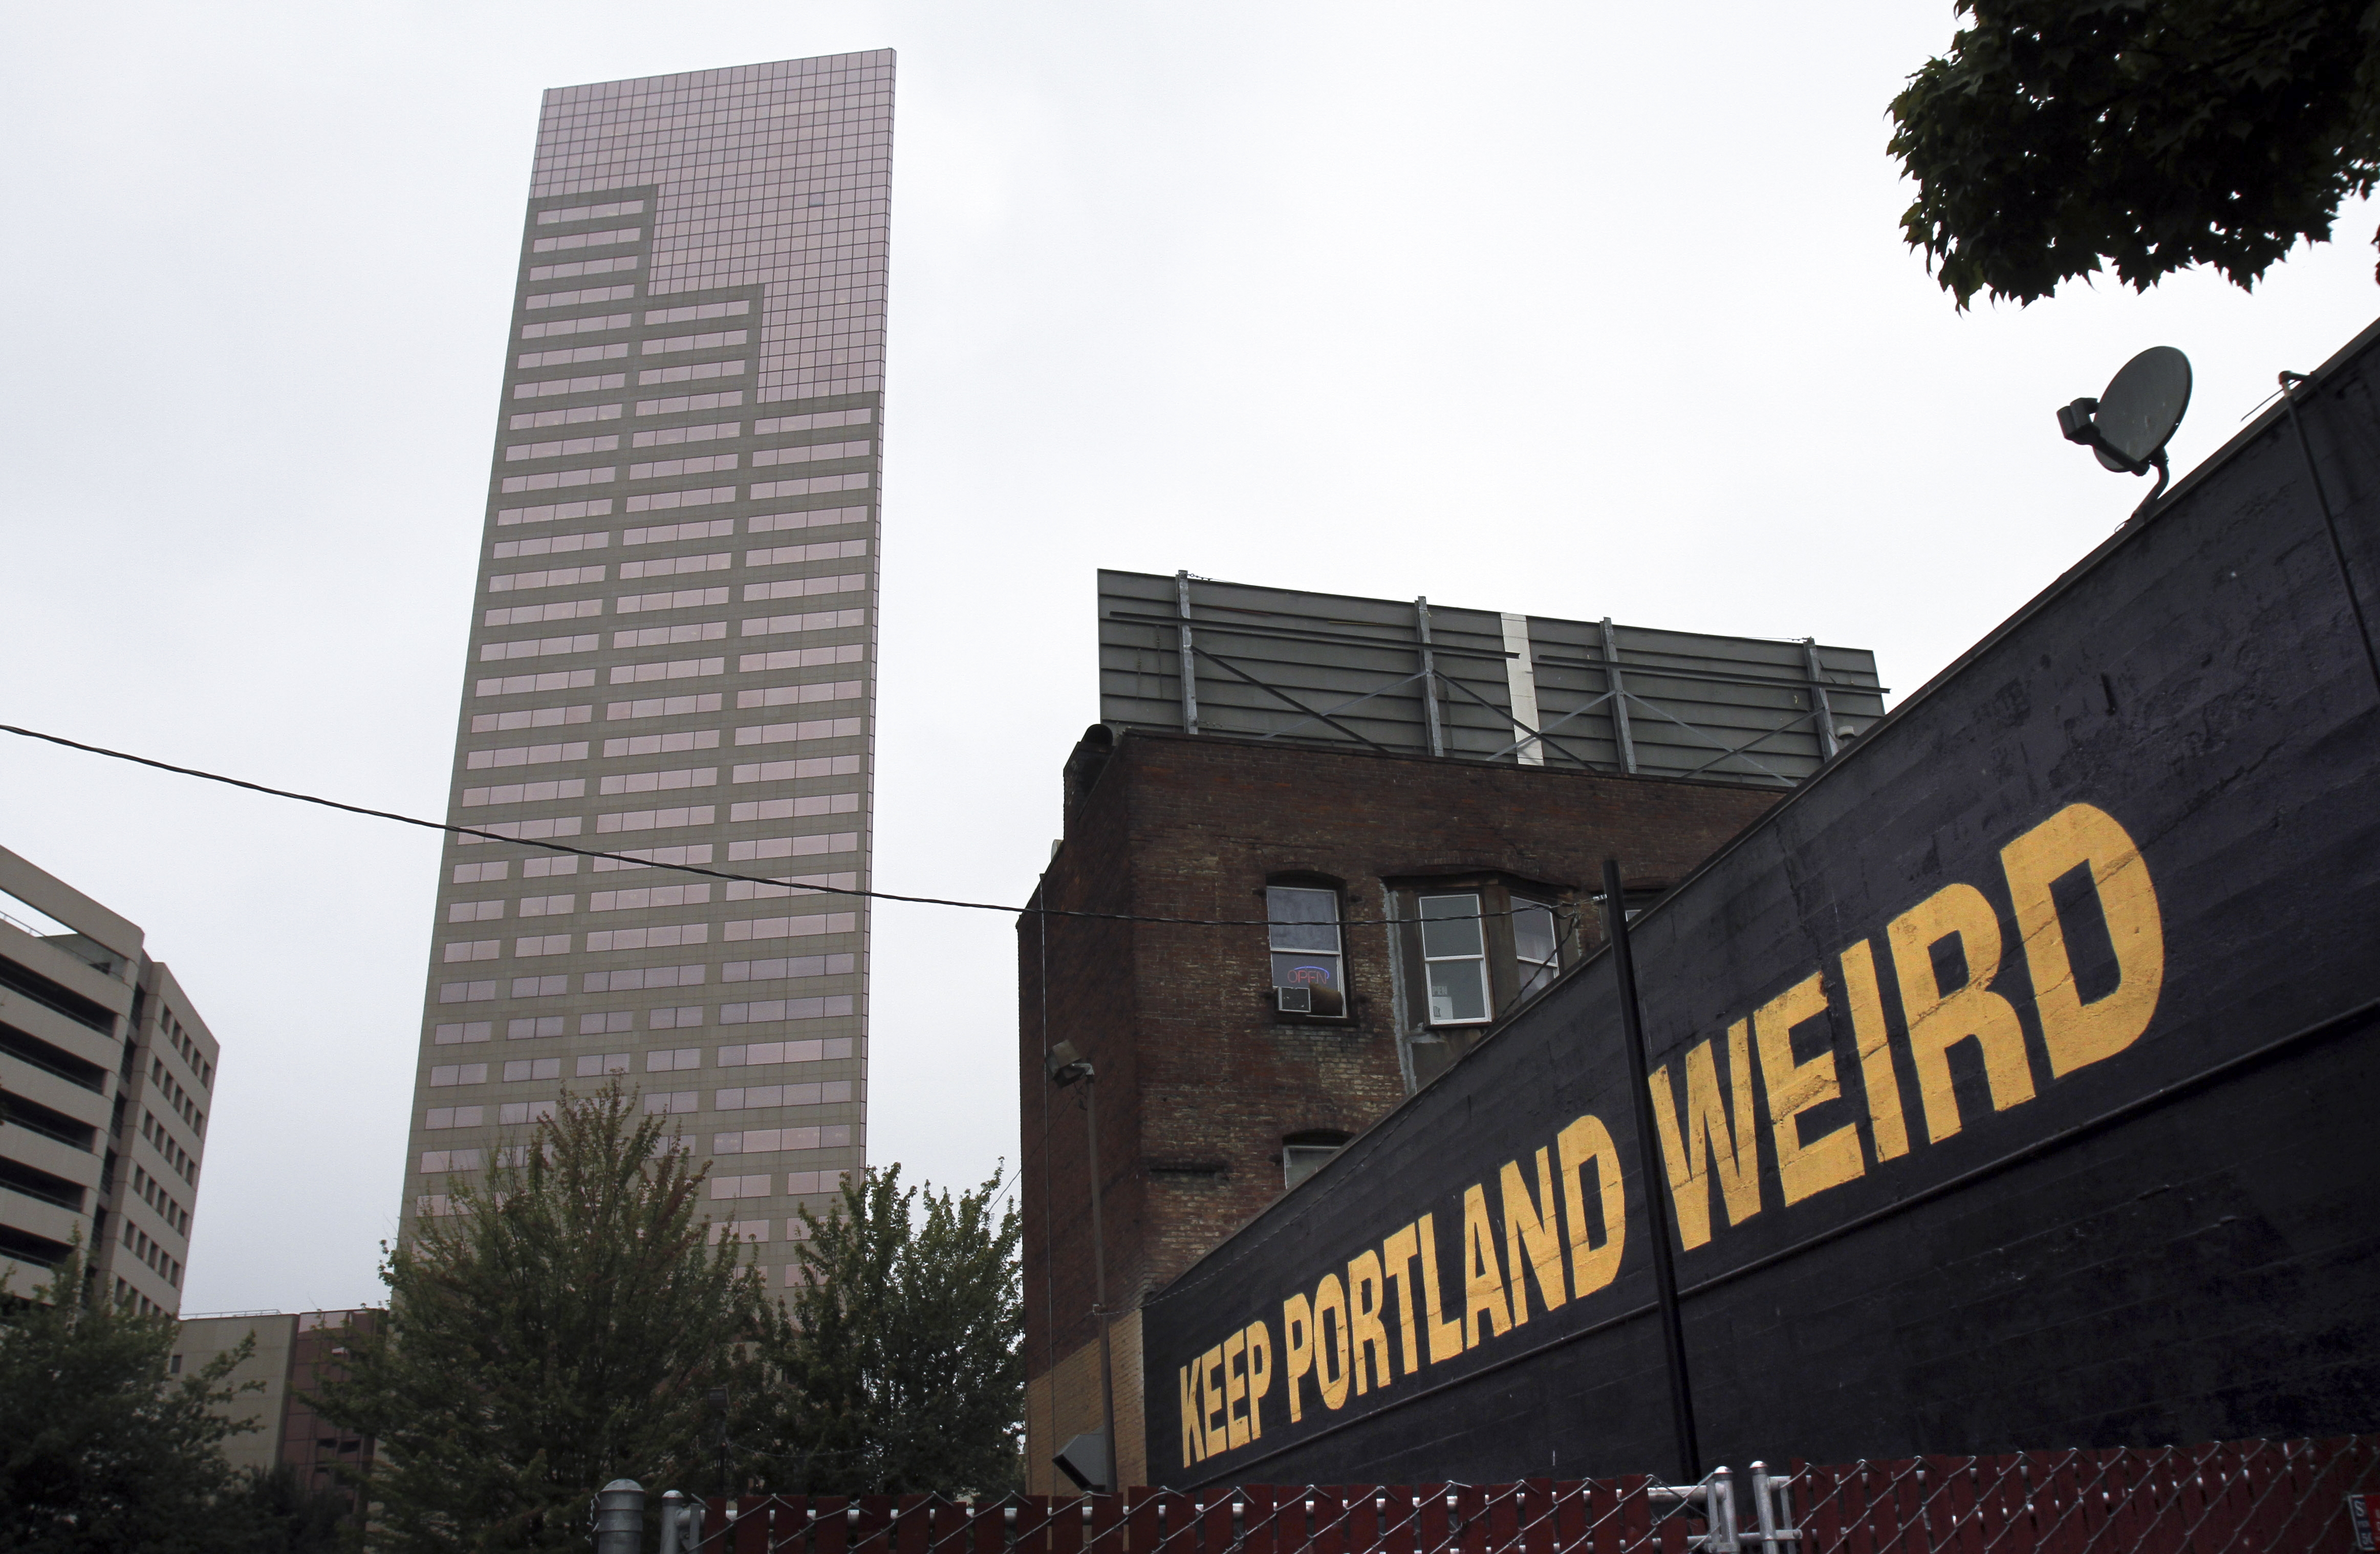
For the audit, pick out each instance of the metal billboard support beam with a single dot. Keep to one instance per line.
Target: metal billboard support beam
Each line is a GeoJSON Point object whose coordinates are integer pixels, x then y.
{"type": "Point", "coordinates": [1189, 657]}
{"type": "Point", "coordinates": [1328, 713]}
{"type": "Point", "coordinates": [1428, 676]}
{"type": "Point", "coordinates": [1228, 667]}
{"type": "Point", "coordinates": [1820, 708]}
{"type": "Point", "coordinates": [1529, 736]}
{"type": "Point", "coordinates": [1627, 741]}
{"type": "Point", "coordinates": [1657, 1209]}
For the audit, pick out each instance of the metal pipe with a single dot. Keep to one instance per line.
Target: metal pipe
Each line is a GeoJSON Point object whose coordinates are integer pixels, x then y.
{"type": "Point", "coordinates": [1657, 1209]}
{"type": "Point", "coordinates": [1820, 708]}
{"type": "Point", "coordinates": [1048, 1236]}
{"type": "Point", "coordinates": [1774, 1511]}
{"type": "Point", "coordinates": [1189, 657]}
{"type": "Point", "coordinates": [717, 1398]}
{"type": "Point", "coordinates": [1627, 741]}
{"type": "Point", "coordinates": [618, 1516]}
{"type": "Point", "coordinates": [681, 1523]}
{"type": "Point", "coordinates": [1724, 1536]}
{"type": "Point", "coordinates": [1100, 1279]}
{"type": "Point", "coordinates": [2164, 477]}
{"type": "Point", "coordinates": [1428, 675]}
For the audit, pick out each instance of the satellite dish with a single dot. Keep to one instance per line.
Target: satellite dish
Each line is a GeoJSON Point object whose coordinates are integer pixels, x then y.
{"type": "Point", "coordinates": [2130, 423]}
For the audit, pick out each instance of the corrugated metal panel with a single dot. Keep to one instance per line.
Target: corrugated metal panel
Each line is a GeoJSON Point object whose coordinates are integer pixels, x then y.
{"type": "Point", "coordinates": [1330, 669]}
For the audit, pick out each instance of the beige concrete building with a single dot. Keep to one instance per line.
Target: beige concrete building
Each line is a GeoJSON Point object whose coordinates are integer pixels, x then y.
{"type": "Point", "coordinates": [205, 1340]}
{"type": "Point", "coordinates": [294, 1354]}
{"type": "Point", "coordinates": [106, 1077]}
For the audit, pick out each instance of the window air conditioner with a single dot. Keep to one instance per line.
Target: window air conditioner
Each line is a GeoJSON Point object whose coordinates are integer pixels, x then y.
{"type": "Point", "coordinates": [1296, 1001]}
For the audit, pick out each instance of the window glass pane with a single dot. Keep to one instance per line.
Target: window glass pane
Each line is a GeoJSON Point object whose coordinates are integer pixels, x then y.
{"type": "Point", "coordinates": [1449, 924]}
{"type": "Point", "coordinates": [1453, 952]}
{"type": "Point", "coordinates": [1301, 1160]}
{"type": "Point", "coordinates": [1302, 919]}
{"type": "Point", "coordinates": [1458, 991]}
{"type": "Point", "coordinates": [1534, 943]}
{"type": "Point", "coordinates": [1533, 930]}
{"type": "Point", "coordinates": [1305, 971]}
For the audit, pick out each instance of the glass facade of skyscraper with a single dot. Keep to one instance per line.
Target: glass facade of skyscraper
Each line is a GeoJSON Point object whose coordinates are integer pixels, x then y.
{"type": "Point", "coordinates": [673, 643]}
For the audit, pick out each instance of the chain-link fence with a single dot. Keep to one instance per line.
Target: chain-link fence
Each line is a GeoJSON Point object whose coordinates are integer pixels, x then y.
{"type": "Point", "coordinates": [2255, 1496]}
{"type": "Point", "coordinates": [2237, 1498]}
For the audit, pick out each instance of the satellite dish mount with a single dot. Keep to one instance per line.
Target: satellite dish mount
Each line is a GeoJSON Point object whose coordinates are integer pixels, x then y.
{"type": "Point", "coordinates": [2130, 423]}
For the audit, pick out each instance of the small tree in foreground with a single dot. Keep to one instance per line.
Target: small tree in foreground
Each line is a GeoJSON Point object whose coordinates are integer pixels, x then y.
{"type": "Point", "coordinates": [287, 1513]}
{"type": "Point", "coordinates": [900, 1359]}
{"type": "Point", "coordinates": [559, 1329]}
{"type": "Point", "coordinates": [100, 1450]}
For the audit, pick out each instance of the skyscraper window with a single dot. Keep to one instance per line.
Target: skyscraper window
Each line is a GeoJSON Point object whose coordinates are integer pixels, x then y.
{"type": "Point", "coordinates": [757, 194]}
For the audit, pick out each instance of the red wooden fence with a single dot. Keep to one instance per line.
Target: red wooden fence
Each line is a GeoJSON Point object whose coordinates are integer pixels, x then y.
{"type": "Point", "coordinates": [2236, 1497]}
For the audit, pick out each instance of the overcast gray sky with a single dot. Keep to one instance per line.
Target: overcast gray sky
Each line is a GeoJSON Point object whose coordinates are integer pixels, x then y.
{"type": "Point", "coordinates": [1571, 308]}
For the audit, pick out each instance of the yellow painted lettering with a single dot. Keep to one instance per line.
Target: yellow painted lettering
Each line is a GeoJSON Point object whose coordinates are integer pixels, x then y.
{"type": "Point", "coordinates": [2077, 1033]}
{"type": "Point", "coordinates": [1483, 1276]}
{"type": "Point", "coordinates": [1592, 1266]}
{"type": "Point", "coordinates": [1297, 1341]}
{"type": "Point", "coordinates": [1731, 1148]}
{"type": "Point", "coordinates": [1368, 1336]}
{"type": "Point", "coordinates": [1235, 1390]}
{"type": "Point", "coordinates": [1260, 1340]}
{"type": "Point", "coordinates": [1794, 1087]}
{"type": "Point", "coordinates": [1877, 1076]}
{"type": "Point", "coordinates": [1530, 1227]}
{"type": "Point", "coordinates": [1940, 1017]}
{"type": "Point", "coordinates": [1330, 1366]}
{"type": "Point", "coordinates": [1398, 1252]}
{"type": "Point", "coordinates": [1446, 1336]}
{"type": "Point", "coordinates": [1194, 1440]}
{"type": "Point", "coordinates": [1215, 1407]}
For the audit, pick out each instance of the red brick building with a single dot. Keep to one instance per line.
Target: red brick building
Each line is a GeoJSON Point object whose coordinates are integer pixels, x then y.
{"type": "Point", "coordinates": [1404, 903]}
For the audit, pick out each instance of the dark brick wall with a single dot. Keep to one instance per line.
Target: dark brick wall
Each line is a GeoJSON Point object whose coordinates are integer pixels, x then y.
{"type": "Point", "coordinates": [1199, 1079]}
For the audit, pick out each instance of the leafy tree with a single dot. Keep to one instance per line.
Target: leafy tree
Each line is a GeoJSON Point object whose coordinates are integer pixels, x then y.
{"type": "Point", "coordinates": [558, 1331]}
{"type": "Point", "coordinates": [901, 1357]}
{"type": "Point", "coordinates": [2151, 134]}
{"type": "Point", "coordinates": [280, 1513]}
{"type": "Point", "coordinates": [100, 1450]}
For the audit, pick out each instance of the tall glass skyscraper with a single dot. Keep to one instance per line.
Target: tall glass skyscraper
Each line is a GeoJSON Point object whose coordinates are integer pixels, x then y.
{"type": "Point", "coordinates": [673, 642]}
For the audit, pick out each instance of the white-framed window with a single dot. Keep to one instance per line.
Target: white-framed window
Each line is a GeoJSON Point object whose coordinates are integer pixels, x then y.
{"type": "Point", "coordinates": [1307, 953]}
{"type": "Point", "coordinates": [1454, 960]}
{"type": "Point", "coordinates": [1537, 945]}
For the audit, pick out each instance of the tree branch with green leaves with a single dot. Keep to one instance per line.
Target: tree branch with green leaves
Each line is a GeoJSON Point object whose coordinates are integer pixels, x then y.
{"type": "Point", "coordinates": [560, 1328]}
{"type": "Point", "coordinates": [2061, 137]}
{"type": "Point", "coordinates": [103, 1448]}
{"type": "Point", "coordinates": [901, 1355]}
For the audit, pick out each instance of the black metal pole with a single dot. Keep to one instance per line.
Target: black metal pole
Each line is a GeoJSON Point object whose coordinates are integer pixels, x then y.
{"type": "Point", "coordinates": [717, 1399]}
{"type": "Point", "coordinates": [1657, 1207]}
{"type": "Point", "coordinates": [1100, 1282]}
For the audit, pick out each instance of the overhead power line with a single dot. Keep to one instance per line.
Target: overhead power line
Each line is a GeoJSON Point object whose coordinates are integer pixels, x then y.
{"type": "Point", "coordinates": [694, 868]}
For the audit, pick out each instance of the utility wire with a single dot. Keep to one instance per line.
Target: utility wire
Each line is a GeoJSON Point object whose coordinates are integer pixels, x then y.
{"type": "Point", "coordinates": [1044, 912]}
